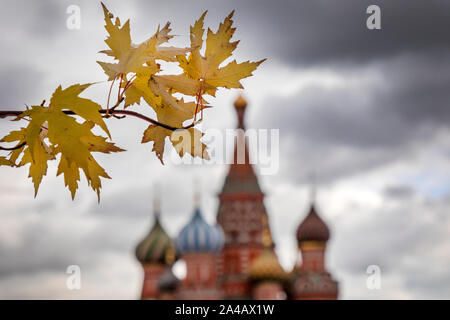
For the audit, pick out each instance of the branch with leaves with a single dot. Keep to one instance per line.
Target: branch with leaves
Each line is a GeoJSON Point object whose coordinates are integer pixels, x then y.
{"type": "Point", "coordinates": [63, 128]}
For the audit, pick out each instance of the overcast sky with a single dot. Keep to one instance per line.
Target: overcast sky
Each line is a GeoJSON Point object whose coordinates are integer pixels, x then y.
{"type": "Point", "coordinates": [367, 110]}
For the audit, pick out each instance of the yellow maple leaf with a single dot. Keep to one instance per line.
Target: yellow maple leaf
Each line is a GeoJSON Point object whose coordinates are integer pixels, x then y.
{"type": "Point", "coordinates": [176, 118]}
{"type": "Point", "coordinates": [134, 58]}
{"type": "Point", "coordinates": [69, 99]}
{"type": "Point", "coordinates": [36, 153]}
{"type": "Point", "coordinates": [157, 135]}
{"type": "Point", "coordinates": [140, 89]}
{"type": "Point", "coordinates": [5, 162]}
{"type": "Point", "coordinates": [19, 136]}
{"type": "Point", "coordinates": [187, 141]}
{"type": "Point", "coordinates": [131, 58]}
{"type": "Point", "coordinates": [38, 163]}
{"type": "Point", "coordinates": [76, 147]}
{"type": "Point", "coordinates": [218, 48]}
{"type": "Point", "coordinates": [71, 174]}
{"type": "Point", "coordinates": [50, 132]}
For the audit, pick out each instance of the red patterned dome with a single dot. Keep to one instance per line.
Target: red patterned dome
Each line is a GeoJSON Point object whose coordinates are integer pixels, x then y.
{"type": "Point", "coordinates": [313, 228]}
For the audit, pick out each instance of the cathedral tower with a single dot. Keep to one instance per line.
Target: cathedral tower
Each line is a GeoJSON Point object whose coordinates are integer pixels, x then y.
{"type": "Point", "coordinates": [241, 215]}
{"type": "Point", "coordinates": [311, 279]}
{"type": "Point", "coordinates": [198, 244]}
{"type": "Point", "coordinates": [156, 253]}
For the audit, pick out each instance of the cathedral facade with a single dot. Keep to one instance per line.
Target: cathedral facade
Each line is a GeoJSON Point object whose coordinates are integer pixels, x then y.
{"type": "Point", "coordinates": [235, 259]}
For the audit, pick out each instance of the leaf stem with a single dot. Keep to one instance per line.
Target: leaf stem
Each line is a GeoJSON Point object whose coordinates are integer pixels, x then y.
{"type": "Point", "coordinates": [109, 96]}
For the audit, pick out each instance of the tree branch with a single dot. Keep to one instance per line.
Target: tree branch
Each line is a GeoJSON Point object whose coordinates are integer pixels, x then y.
{"type": "Point", "coordinates": [111, 112]}
{"type": "Point", "coordinates": [20, 145]}
{"type": "Point", "coordinates": [13, 113]}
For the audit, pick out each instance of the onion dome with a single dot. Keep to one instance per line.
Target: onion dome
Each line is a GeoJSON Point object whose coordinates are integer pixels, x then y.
{"type": "Point", "coordinates": [313, 228]}
{"type": "Point", "coordinates": [168, 282]}
{"type": "Point", "coordinates": [267, 268]}
{"type": "Point", "coordinates": [157, 246]}
{"type": "Point", "coordinates": [221, 234]}
{"type": "Point", "coordinates": [199, 236]}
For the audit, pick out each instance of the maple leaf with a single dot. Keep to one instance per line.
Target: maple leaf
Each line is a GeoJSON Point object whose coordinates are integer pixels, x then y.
{"type": "Point", "coordinates": [175, 118]}
{"type": "Point", "coordinates": [71, 174]}
{"type": "Point", "coordinates": [18, 135]}
{"type": "Point", "coordinates": [131, 58]}
{"type": "Point", "coordinates": [85, 108]}
{"type": "Point", "coordinates": [218, 48]}
{"type": "Point", "coordinates": [187, 141]}
{"type": "Point", "coordinates": [5, 162]}
{"type": "Point", "coordinates": [64, 135]}
{"type": "Point", "coordinates": [37, 155]}
{"type": "Point", "coordinates": [157, 135]}
{"type": "Point", "coordinates": [138, 89]}
{"type": "Point", "coordinates": [38, 163]}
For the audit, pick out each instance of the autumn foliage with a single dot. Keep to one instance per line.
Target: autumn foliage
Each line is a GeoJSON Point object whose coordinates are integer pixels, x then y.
{"type": "Point", "coordinates": [63, 128]}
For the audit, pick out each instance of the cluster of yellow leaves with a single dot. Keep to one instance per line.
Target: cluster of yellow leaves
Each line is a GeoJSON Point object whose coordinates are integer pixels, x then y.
{"type": "Point", "coordinates": [53, 131]}
{"type": "Point", "coordinates": [201, 74]}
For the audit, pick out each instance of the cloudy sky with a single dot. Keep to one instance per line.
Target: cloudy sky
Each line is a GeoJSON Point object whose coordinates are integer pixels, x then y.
{"type": "Point", "coordinates": [367, 110]}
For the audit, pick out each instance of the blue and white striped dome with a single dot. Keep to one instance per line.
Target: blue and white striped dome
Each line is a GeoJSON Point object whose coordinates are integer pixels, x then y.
{"type": "Point", "coordinates": [199, 236]}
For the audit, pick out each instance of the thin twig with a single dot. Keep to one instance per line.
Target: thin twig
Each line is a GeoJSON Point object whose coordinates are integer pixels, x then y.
{"type": "Point", "coordinates": [20, 145]}
{"type": "Point", "coordinates": [13, 113]}
{"type": "Point", "coordinates": [109, 95]}
{"type": "Point", "coordinates": [199, 98]}
{"type": "Point", "coordinates": [108, 113]}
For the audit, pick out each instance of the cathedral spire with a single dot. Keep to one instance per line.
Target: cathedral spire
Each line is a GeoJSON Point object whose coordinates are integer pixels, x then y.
{"type": "Point", "coordinates": [197, 193]}
{"type": "Point", "coordinates": [242, 216]}
{"type": "Point", "coordinates": [312, 228]}
{"type": "Point", "coordinates": [240, 105]}
{"type": "Point", "coordinates": [313, 188]}
{"type": "Point", "coordinates": [241, 178]}
{"type": "Point", "coordinates": [156, 202]}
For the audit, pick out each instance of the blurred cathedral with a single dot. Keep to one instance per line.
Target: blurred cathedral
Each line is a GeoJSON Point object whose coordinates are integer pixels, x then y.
{"type": "Point", "coordinates": [235, 259]}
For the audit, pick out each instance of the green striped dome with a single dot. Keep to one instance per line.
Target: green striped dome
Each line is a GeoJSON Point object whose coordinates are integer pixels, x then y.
{"type": "Point", "coordinates": [157, 246]}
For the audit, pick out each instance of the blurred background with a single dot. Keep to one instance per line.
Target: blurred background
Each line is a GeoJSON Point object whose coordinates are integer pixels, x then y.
{"type": "Point", "coordinates": [366, 110]}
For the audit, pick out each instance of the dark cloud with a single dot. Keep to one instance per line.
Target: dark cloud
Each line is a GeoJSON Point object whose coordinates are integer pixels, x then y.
{"type": "Point", "coordinates": [313, 32]}
{"type": "Point", "coordinates": [399, 191]}
{"type": "Point", "coordinates": [360, 125]}
{"type": "Point", "coordinates": [406, 26]}
{"type": "Point", "coordinates": [316, 32]}
{"type": "Point", "coordinates": [416, 88]}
